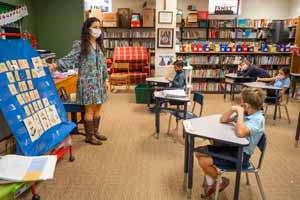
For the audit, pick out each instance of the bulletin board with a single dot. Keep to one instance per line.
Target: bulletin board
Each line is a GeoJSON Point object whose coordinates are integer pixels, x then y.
{"type": "Point", "coordinates": [29, 101]}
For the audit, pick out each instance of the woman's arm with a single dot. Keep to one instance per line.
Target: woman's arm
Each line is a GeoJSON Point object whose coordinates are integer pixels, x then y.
{"type": "Point", "coordinates": [71, 60]}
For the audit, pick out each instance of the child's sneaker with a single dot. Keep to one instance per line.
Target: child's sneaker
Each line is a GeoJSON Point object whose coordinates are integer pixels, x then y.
{"type": "Point", "coordinates": [209, 190]}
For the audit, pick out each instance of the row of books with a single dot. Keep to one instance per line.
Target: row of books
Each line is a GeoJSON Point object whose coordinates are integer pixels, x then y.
{"type": "Point", "coordinates": [235, 60]}
{"type": "Point", "coordinates": [115, 43]}
{"type": "Point", "coordinates": [214, 60]}
{"type": "Point", "coordinates": [129, 34]}
{"type": "Point", "coordinates": [209, 73]}
{"type": "Point", "coordinates": [244, 23]}
{"type": "Point", "coordinates": [253, 23]}
{"type": "Point", "coordinates": [230, 23]}
{"type": "Point", "coordinates": [272, 60]}
{"type": "Point", "coordinates": [126, 43]}
{"type": "Point", "coordinates": [190, 34]}
{"type": "Point", "coordinates": [146, 44]}
{"type": "Point", "coordinates": [207, 86]}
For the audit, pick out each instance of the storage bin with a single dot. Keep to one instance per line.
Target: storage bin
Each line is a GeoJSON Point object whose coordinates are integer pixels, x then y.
{"type": "Point", "coordinates": [143, 93]}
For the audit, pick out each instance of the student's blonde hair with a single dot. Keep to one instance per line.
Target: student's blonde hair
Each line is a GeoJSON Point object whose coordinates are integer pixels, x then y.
{"type": "Point", "coordinates": [254, 97]}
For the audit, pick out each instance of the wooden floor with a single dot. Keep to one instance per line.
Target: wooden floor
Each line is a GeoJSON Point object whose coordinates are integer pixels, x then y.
{"type": "Point", "coordinates": [134, 165]}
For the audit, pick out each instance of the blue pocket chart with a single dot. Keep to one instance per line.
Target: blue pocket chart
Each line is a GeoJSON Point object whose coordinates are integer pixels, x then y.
{"type": "Point", "coordinates": [29, 101]}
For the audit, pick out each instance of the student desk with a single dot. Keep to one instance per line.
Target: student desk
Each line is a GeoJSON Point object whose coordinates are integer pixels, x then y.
{"type": "Point", "coordinates": [161, 81]}
{"type": "Point", "coordinates": [295, 78]}
{"type": "Point", "coordinates": [298, 131]}
{"type": "Point", "coordinates": [209, 127]}
{"type": "Point", "coordinates": [233, 79]}
{"type": "Point", "coordinates": [159, 100]}
{"type": "Point", "coordinates": [266, 86]}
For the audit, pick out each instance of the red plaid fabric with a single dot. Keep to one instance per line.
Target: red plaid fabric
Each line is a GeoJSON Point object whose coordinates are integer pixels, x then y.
{"type": "Point", "coordinates": [137, 77]}
{"type": "Point", "coordinates": [131, 55]}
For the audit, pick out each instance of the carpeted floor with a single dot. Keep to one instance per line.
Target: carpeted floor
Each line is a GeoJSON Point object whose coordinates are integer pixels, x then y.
{"type": "Point", "coordinates": [134, 165]}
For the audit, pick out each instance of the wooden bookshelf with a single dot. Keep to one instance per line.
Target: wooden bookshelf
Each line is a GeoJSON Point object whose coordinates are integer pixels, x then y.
{"type": "Point", "coordinates": [211, 67]}
{"type": "Point", "coordinates": [296, 58]}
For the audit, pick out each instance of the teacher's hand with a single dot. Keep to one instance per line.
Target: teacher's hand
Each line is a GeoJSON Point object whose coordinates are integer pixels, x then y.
{"type": "Point", "coordinates": [106, 85]}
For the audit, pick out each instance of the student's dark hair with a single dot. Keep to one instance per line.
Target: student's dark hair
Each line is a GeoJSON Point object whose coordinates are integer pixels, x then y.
{"type": "Point", "coordinates": [85, 37]}
{"type": "Point", "coordinates": [286, 70]}
{"type": "Point", "coordinates": [254, 97]}
{"type": "Point", "coordinates": [179, 63]}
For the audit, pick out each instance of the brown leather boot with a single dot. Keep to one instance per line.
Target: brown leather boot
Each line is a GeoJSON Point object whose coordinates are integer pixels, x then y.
{"type": "Point", "coordinates": [96, 129]}
{"type": "Point", "coordinates": [89, 130]}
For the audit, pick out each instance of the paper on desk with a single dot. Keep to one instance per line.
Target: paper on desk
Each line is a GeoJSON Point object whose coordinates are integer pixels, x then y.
{"type": "Point", "coordinates": [188, 126]}
{"type": "Point", "coordinates": [22, 168]}
{"type": "Point", "coordinates": [174, 93]}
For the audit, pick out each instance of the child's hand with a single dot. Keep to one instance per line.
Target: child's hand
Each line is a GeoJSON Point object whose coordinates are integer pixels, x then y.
{"type": "Point", "coordinates": [258, 79]}
{"type": "Point", "coordinates": [237, 109]}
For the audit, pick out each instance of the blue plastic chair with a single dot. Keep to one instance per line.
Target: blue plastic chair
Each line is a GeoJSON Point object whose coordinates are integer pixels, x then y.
{"type": "Point", "coordinates": [179, 114]}
{"type": "Point", "coordinates": [251, 169]}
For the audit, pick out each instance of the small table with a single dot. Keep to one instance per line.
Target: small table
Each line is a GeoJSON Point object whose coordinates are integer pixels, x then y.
{"type": "Point", "coordinates": [209, 127]}
{"type": "Point", "coordinates": [266, 86]}
{"type": "Point", "coordinates": [297, 131]}
{"type": "Point", "coordinates": [161, 98]}
{"type": "Point", "coordinates": [158, 80]}
{"type": "Point", "coordinates": [295, 78]}
{"type": "Point", "coordinates": [233, 79]}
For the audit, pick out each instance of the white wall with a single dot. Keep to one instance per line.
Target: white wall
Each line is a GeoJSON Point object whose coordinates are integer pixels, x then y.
{"type": "Point", "coordinates": [294, 10]}
{"type": "Point", "coordinates": [134, 5]}
{"type": "Point", "coordinates": [270, 9]}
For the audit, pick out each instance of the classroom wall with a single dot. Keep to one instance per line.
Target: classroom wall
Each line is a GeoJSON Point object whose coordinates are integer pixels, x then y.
{"type": "Point", "coordinates": [294, 8]}
{"type": "Point", "coordinates": [57, 24]}
{"type": "Point", "coordinates": [271, 9]}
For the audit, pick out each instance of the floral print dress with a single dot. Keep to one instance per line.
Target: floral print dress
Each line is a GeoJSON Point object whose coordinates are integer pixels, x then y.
{"type": "Point", "coordinates": [92, 74]}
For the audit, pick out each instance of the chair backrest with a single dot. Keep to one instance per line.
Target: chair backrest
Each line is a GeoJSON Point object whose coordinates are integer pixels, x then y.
{"type": "Point", "coordinates": [198, 98]}
{"type": "Point", "coordinates": [262, 144]}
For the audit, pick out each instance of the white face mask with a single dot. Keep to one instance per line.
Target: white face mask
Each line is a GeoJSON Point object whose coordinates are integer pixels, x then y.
{"type": "Point", "coordinates": [95, 32]}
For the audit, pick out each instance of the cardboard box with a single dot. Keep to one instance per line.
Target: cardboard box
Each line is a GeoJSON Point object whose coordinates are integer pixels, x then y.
{"type": "Point", "coordinates": [110, 17]}
{"type": "Point", "coordinates": [96, 13]}
{"type": "Point", "coordinates": [109, 24]}
{"type": "Point", "coordinates": [148, 17]}
{"type": "Point", "coordinates": [192, 18]}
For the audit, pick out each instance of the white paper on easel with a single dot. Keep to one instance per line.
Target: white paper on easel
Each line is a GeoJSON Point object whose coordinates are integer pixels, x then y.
{"type": "Point", "coordinates": [25, 168]}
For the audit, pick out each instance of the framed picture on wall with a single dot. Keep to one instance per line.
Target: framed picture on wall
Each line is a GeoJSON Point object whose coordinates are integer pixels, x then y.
{"type": "Point", "coordinates": [165, 17]}
{"type": "Point", "coordinates": [165, 37]}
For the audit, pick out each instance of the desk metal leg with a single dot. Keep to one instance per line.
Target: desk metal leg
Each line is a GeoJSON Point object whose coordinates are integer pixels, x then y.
{"type": "Point", "coordinates": [276, 104]}
{"type": "Point", "coordinates": [190, 165]}
{"type": "Point", "coordinates": [293, 87]}
{"type": "Point", "coordinates": [186, 158]}
{"type": "Point", "coordinates": [297, 131]}
{"type": "Point", "coordinates": [225, 91]}
{"type": "Point", "coordinates": [238, 173]}
{"type": "Point", "coordinates": [157, 117]}
{"type": "Point", "coordinates": [233, 91]}
{"type": "Point", "coordinates": [185, 113]}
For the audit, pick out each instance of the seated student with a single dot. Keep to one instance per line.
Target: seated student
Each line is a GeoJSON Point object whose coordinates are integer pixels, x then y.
{"type": "Point", "coordinates": [249, 123]}
{"type": "Point", "coordinates": [282, 80]}
{"type": "Point", "coordinates": [179, 78]}
{"type": "Point", "coordinates": [250, 70]}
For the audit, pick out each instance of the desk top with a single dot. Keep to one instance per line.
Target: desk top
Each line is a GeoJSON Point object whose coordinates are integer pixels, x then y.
{"type": "Point", "coordinates": [235, 76]}
{"type": "Point", "coordinates": [158, 80]}
{"type": "Point", "coordinates": [295, 74]}
{"type": "Point", "coordinates": [59, 80]}
{"type": "Point", "coordinates": [209, 127]}
{"type": "Point", "coordinates": [261, 85]}
{"type": "Point", "coordinates": [159, 94]}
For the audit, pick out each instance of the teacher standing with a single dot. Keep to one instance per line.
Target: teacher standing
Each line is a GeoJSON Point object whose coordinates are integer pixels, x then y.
{"type": "Point", "coordinates": [88, 56]}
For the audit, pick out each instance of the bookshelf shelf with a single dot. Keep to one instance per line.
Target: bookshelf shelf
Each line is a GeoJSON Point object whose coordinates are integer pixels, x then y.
{"type": "Point", "coordinates": [236, 53]}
